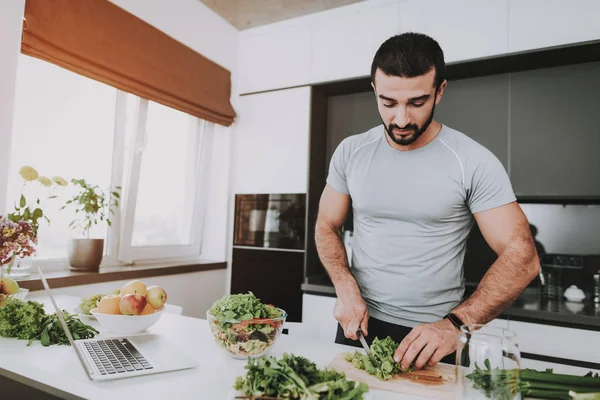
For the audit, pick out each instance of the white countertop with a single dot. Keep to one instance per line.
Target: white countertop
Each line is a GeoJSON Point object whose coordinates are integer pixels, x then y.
{"type": "Point", "coordinates": [56, 369]}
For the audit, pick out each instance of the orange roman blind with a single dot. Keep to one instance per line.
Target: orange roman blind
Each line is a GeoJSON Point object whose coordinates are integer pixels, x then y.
{"type": "Point", "coordinates": [100, 40]}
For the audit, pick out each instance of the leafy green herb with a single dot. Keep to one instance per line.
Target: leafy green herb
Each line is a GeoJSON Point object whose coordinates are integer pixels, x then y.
{"type": "Point", "coordinates": [383, 351]}
{"type": "Point", "coordinates": [27, 320]}
{"type": "Point", "coordinates": [242, 307]}
{"type": "Point", "coordinates": [53, 333]}
{"type": "Point", "coordinates": [505, 383]}
{"type": "Point", "coordinates": [296, 378]}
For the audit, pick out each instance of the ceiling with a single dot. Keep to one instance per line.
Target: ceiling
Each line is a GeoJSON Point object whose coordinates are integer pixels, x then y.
{"type": "Point", "coordinates": [244, 14]}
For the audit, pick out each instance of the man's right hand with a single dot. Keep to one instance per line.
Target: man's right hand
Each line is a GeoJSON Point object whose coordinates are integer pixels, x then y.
{"type": "Point", "coordinates": [351, 311]}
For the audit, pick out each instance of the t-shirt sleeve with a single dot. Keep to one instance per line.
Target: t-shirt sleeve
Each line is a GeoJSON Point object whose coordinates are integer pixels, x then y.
{"type": "Point", "coordinates": [490, 185]}
{"type": "Point", "coordinates": [336, 178]}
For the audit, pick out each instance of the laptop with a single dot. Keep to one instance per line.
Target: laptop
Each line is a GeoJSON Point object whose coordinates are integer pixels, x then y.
{"type": "Point", "coordinates": [124, 356]}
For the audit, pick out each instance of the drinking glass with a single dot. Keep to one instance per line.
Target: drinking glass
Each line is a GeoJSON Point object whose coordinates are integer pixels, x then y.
{"type": "Point", "coordinates": [487, 364]}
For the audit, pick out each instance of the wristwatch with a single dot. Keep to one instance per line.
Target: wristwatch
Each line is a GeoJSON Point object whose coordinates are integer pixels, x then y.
{"type": "Point", "coordinates": [457, 322]}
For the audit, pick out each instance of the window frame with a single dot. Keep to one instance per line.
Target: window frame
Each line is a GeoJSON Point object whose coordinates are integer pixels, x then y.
{"type": "Point", "coordinates": [201, 137]}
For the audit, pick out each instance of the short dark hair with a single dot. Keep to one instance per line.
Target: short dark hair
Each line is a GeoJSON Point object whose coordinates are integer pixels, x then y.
{"type": "Point", "coordinates": [409, 55]}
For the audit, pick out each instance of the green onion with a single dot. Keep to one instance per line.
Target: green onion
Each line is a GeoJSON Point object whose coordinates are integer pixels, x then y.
{"type": "Point", "coordinates": [503, 384]}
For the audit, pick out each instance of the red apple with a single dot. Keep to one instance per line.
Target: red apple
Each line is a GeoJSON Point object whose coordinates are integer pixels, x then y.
{"type": "Point", "coordinates": [132, 304]}
{"type": "Point", "coordinates": [156, 296]}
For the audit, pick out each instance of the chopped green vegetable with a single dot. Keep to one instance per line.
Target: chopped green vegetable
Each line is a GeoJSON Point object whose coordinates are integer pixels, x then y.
{"type": "Point", "coordinates": [383, 351]}
{"type": "Point", "coordinates": [296, 378]}
{"type": "Point", "coordinates": [584, 396]}
{"type": "Point", "coordinates": [88, 303]}
{"type": "Point", "coordinates": [27, 320]}
{"type": "Point", "coordinates": [243, 325]}
{"type": "Point", "coordinates": [21, 319]}
{"type": "Point", "coordinates": [504, 384]}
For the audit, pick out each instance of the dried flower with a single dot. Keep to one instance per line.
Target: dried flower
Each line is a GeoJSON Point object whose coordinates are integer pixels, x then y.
{"type": "Point", "coordinates": [44, 181]}
{"type": "Point", "coordinates": [32, 210]}
{"type": "Point", "coordinates": [29, 173]}
{"type": "Point", "coordinates": [17, 240]}
{"type": "Point", "coordinates": [60, 181]}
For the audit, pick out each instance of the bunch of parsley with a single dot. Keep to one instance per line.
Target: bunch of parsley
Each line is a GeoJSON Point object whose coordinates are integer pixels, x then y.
{"type": "Point", "coordinates": [383, 351]}
{"type": "Point", "coordinates": [296, 378]}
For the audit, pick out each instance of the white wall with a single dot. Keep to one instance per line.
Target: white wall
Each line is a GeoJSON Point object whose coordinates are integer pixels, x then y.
{"type": "Point", "coordinates": [11, 17]}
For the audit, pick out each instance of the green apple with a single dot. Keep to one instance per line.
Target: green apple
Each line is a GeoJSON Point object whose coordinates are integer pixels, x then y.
{"type": "Point", "coordinates": [8, 286]}
{"type": "Point", "coordinates": [156, 296]}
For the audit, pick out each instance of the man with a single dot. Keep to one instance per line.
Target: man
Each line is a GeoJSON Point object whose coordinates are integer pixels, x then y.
{"type": "Point", "coordinates": [416, 188]}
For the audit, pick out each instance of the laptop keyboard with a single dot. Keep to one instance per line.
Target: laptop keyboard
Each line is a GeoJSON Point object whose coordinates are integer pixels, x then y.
{"type": "Point", "coordinates": [116, 356]}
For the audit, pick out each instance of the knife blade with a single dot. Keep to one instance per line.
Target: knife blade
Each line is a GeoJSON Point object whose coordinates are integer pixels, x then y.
{"type": "Point", "coordinates": [366, 347]}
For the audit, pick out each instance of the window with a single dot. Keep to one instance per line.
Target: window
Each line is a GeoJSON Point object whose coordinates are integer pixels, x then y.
{"type": "Point", "coordinates": [165, 176]}
{"type": "Point", "coordinates": [71, 126]}
{"type": "Point", "coordinates": [63, 125]}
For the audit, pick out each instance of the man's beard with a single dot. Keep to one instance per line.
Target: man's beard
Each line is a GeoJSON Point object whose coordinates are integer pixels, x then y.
{"type": "Point", "coordinates": [417, 131]}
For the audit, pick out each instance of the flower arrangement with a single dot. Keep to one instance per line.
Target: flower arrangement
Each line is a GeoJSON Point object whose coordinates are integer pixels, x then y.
{"type": "Point", "coordinates": [19, 230]}
{"type": "Point", "coordinates": [31, 211]}
{"type": "Point", "coordinates": [93, 205]}
{"type": "Point", "coordinates": [17, 239]}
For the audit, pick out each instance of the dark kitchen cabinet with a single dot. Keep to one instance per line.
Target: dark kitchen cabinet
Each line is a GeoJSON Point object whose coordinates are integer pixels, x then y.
{"type": "Point", "coordinates": [555, 131]}
{"type": "Point", "coordinates": [274, 276]}
{"type": "Point", "coordinates": [478, 107]}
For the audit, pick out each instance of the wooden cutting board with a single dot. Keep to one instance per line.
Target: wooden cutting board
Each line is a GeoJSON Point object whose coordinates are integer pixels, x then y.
{"type": "Point", "coordinates": [436, 382]}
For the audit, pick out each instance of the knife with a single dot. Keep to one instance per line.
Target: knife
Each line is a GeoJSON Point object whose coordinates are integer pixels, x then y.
{"type": "Point", "coordinates": [366, 347]}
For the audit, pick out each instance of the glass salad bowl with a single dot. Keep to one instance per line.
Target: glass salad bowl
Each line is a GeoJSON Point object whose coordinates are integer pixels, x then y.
{"type": "Point", "coordinates": [243, 338]}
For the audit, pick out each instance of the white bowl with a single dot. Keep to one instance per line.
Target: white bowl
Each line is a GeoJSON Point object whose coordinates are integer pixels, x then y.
{"type": "Point", "coordinates": [126, 324]}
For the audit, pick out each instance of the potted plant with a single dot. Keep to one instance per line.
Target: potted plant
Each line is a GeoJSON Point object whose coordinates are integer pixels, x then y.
{"type": "Point", "coordinates": [93, 206]}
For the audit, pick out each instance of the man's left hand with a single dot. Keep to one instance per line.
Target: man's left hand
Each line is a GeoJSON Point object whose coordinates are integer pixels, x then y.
{"type": "Point", "coordinates": [433, 341]}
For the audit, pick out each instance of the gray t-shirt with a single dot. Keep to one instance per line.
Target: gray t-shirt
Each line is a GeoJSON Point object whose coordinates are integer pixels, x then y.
{"type": "Point", "coordinates": [412, 216]}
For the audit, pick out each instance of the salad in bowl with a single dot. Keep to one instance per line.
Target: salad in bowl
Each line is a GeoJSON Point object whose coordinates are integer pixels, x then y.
{"type": "Point", "coordinates": [243, 326]}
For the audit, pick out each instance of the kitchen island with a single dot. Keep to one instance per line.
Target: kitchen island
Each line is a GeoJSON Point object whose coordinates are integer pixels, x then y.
{"type": "Point", "coordinates": [56, 370]}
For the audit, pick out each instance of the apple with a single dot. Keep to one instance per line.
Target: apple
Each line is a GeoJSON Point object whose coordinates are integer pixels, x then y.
{"type": "Point", "coordinates": [132, 304]}
{"type": "Point", "coordinates": [8, 286]}
{"type": "Point", "coordinates": [156, 296]}
{"type": "Point", "coordinates": [134, 287]}
{"type": "Point", "coordinates": [148, 309]}
{"type": "Point", "coordinates": [3, 299]}
{"type": "Point", "coordinates": [110, 304]}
